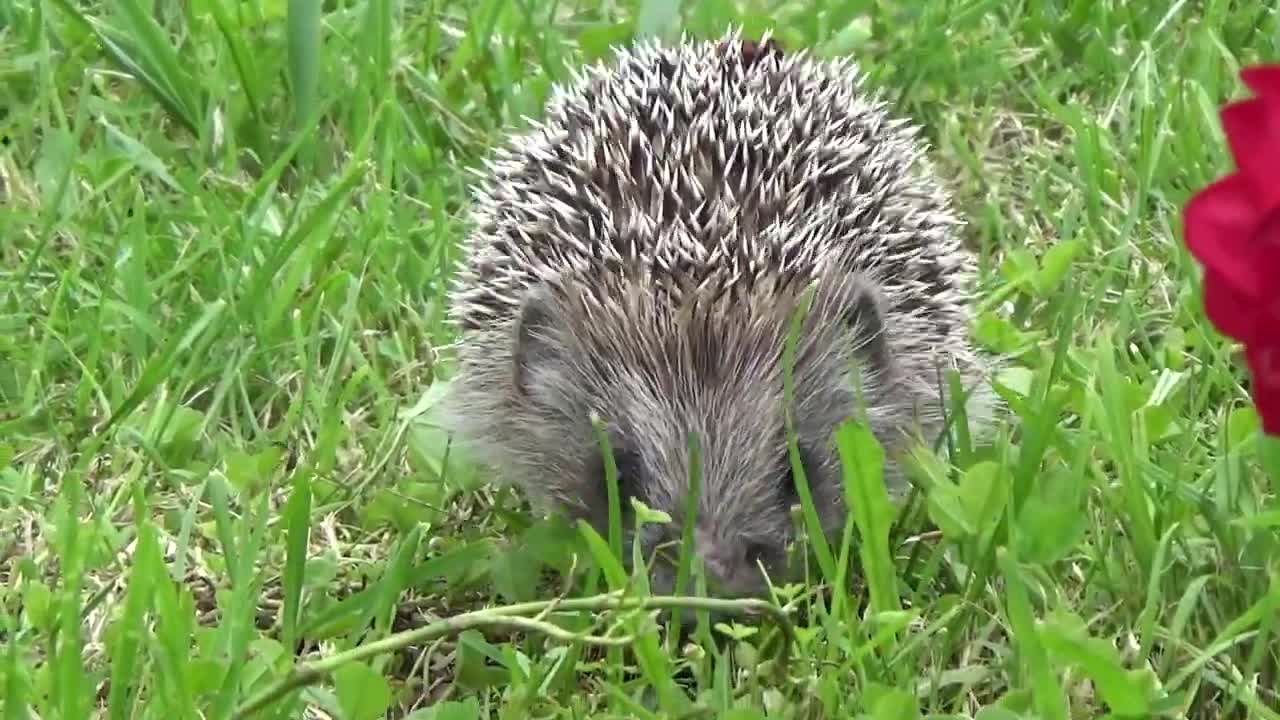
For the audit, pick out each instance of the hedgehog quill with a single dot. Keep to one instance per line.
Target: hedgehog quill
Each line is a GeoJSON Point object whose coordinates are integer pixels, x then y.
{"type": "Point", "coordinates": [639, 255]}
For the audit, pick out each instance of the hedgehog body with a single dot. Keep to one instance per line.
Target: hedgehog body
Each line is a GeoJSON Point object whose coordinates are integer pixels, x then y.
{"type": "Point", "coordinates": [640, 256]}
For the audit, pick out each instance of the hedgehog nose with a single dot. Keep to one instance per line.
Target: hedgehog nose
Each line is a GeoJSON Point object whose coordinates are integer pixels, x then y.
{"type": "Point", "coordinates": [718, 558]}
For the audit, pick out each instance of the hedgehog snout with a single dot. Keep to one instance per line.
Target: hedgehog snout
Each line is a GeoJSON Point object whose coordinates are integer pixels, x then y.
{"type": "Point", "coordinates": [730, 563]}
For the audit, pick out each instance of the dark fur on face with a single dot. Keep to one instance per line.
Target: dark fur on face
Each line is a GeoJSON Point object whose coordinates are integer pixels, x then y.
{"type": "Point", "coordinates": [655, 372]}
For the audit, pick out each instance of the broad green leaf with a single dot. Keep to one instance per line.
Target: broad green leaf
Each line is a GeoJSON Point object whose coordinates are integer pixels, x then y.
{"type": "Point", "coordinates": [973, 507]}
{"type": "Point", "coordinates": [516, 572]}
{"type": "Point", "coordinates": [363, 694]}
{"type": "Point", "coordinates": [708, 17]}
{"type": "Point", "coordinates": [1048, 531]}
{"type": "Point", "coordinates": [1054, 265]}
{"type": "Point", "coordinates": [404, 507]}
{"type": "Point", "coordinates": [1264, 519]}
{"type": "Point", "coordinates": [468, 709]}
{"type": "Point", "coordinates": [1269, 452]}
{"type": "Point", "coordinates": [54, 163]}
{"type": "Point", "coordinates": [249, 472]}
{"type": "Point", "coordinates": [1052, 520]}
{"type": "Point", "coordinates": [862, 465]}
{"type": "Point", "coordinates": [946, 509]}
{"type": "Point", "coordinates": [992, 712]}
{"type": "Point", "coordinates": [742, 714]}
{"type": "Point", "coordinates": [1242, 423]}
{"type": "Point", "coordinates": [15, 682]}
{"type": "Point", "coordinates": [473, 670]}
{"type": "Point", "coordinates": [888, 703]}
{"type": "Point", "coordinates": [852, 38]}
{"type": "Point", "coordinates": [1127, 693]}
{"type": "Point", "coordinates": [37, 604]}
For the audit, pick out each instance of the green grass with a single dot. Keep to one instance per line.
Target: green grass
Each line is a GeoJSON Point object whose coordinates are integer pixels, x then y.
{"type": "Point", "coordinates": [227, 227]}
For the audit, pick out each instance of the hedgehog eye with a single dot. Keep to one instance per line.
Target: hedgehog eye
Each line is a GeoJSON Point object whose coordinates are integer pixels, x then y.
{"type": "Point", "coordinates": [629, 468]}
{"type": "Point", "coordinates": [787, 484]}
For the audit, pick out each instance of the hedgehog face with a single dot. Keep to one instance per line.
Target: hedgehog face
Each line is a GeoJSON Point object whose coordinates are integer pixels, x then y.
{"type": "Point", "coordinates": [655, 376]}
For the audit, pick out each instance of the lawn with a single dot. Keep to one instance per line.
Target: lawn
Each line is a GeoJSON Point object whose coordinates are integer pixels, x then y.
{"type": "Point", "coordinates": [227, 232]}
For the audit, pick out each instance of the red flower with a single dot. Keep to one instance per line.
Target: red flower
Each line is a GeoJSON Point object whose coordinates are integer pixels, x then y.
{"type": "Point", "coordinates": [1232, 228]}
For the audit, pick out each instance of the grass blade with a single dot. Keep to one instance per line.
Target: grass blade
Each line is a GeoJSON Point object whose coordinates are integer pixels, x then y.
{"type": "Point", "coordinates": [15, 691]}
{"type": "Point", "coordinates": [611, 485]}
{"type": "Point", "coordinates": [297, 518]}
{"type": "Point", "coordinates": [685, 560]}
{"type": "Point", "coordinates": [161, 56]}
{"type": "Point", "coordinates": [304, 57]}
{"type": "Point", "coordinates": [248, 75]}
{"type": "Point", "coordinates": [1050, 703]}
{"type": "Point", "coordinates": [155, 65]}
{"type": "Point", "coordinates": [1119, 427]}
{"type": "Point", "coordinates": [70, 687]}
{"type": "Point", "coordinates": [653, 662]}
{"type": "Point", "coordinates": [816, 535]}
{"type": "Point", "coordinates": [161, 366]}
{"type": "Point", "coordinates": [131, 627]}
{"type": "Point", "coordinates": [394, 580]}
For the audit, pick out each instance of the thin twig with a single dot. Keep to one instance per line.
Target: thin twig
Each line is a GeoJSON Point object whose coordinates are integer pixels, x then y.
{"type": "Point", "coordinates": [515, 616]}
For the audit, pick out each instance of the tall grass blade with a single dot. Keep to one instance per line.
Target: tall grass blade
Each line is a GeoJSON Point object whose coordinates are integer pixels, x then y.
{"type": "Point", "coordinates": [1050, 703]}
{"type": "Point", "coordinates": [813, 526]}
{"type": "Point", "coordinates": [297, 518]}
{"type": "Point", "coordinates": [247, 72]}
{"type": "Point", "coordinates": [15, 704]}
{"type": "Point", "coordinates": [155, 63]}
{"type": "Point", "coordinates": [304, 57]}
{"type": "Point", "coordinates": [161, 366]}
{"type": "Point", "coordinates": [130, 629]}
{"type": "Point", "coordinates": [611, 487]}
{"type": "Point", "coordinates": [70, 686]}
{"type": "Point", "coordinates": [690, 519]}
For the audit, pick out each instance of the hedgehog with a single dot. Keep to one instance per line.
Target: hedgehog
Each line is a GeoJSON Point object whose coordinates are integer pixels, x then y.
{"type": "Point", "coordinates": [639, 259]}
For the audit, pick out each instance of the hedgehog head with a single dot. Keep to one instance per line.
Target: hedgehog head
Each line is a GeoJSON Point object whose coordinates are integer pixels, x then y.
{"type": "Point", "coordinates": [656, 370]}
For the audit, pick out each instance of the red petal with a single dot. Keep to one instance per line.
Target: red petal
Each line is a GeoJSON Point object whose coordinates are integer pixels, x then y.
{"type": "Point", "coordinates": [1263, 79]}
{"type": "Point", "coordinates": [1268, 404]}
{"type": "Point", "coordinates": [1218, 224]}
{"type": "Point", "coordinates": [1264, 367]}
{"type": "Point", "coordinates": [1233, 314]}
{"type": "Point", "coordinates": [1266, 239]}
{"type": "Point", "coordinates": [1253, 132]}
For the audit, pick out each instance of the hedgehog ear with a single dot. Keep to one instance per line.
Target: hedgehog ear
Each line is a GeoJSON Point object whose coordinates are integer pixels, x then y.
{"type": "Point", "coordinates": [862, 308]}
{"type": "Point", "coordinates": [533, 341]}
